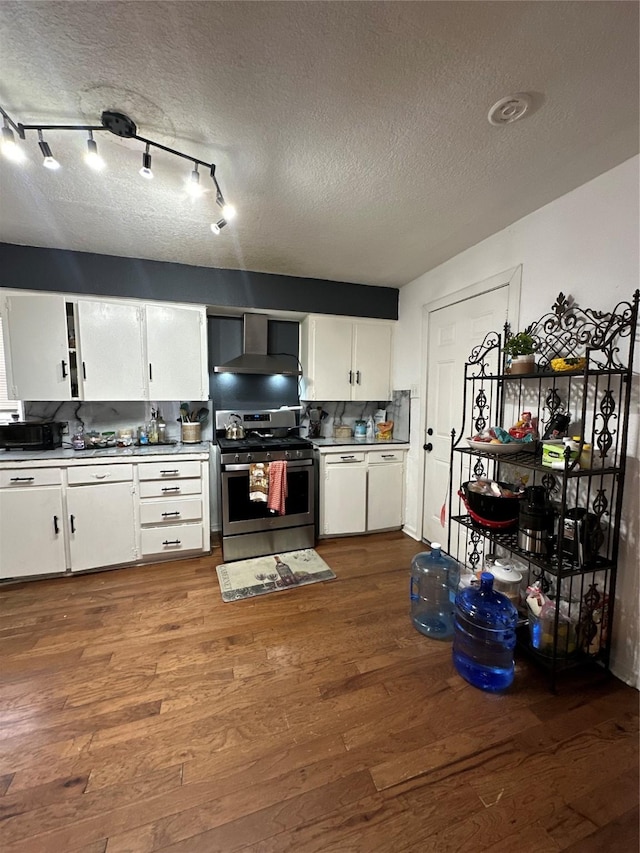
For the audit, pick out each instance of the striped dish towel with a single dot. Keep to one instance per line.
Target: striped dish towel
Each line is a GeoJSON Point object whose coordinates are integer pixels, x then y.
{"type": "Point", "coordinates": [277, 486]}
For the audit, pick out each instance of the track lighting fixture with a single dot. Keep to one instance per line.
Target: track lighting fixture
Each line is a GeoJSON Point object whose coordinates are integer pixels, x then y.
{"type": "Point", "coordinates": [92, 158]}
{"type": "Point", "coordinates": [49, 161]}
{"type": "Point", "coordinates": [216, 227]}
{"type": "Point", "coordinates": [145, 171]}
{"type": "Point", "coordinates": [120, 125]}
{"type": "Point", "coordinates": [193, 184]}
{"type": "Point", "coordinates": [10, 147]}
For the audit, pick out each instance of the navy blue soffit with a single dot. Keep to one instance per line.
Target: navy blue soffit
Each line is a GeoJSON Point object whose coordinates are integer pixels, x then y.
{"type": "Point", "coordinates": [67, 271]}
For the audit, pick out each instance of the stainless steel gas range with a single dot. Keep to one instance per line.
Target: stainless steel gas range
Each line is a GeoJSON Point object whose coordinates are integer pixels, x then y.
{"type": "Point", "coordinates": [249, 527]}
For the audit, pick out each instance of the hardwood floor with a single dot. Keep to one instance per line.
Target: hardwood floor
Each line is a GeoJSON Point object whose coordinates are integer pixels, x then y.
{"type": "Point", "coordinates": [140, 713]}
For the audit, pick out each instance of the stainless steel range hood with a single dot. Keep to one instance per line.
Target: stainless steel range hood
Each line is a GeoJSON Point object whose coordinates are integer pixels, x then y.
{"type": "Point", "coordinates": [254, 358]}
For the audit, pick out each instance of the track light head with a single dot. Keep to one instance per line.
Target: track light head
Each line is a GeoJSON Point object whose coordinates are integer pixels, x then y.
{"type": "Point", "coordinates": [49, 161]}
{"type": "Point", "coordinates": [193, 183]}
{"type": "Point", "coordinates": [92, 158]}
{"type": "Point", "coordinates": [145, 171]}
{"type": "Point", "coordinates": [216, 227]}
{"type": "Point", "coordinates": [10, 148]}
{"type": "Point", "coordinates": [229, 212]}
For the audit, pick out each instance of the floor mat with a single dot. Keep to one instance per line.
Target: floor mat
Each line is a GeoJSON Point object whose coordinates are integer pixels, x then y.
{"type": "Point", "coordinates": [260, 575]}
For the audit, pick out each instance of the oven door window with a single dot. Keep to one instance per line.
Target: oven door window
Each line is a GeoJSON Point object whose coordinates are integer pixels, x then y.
{"type": "Point", "coordinates": [240, 508]}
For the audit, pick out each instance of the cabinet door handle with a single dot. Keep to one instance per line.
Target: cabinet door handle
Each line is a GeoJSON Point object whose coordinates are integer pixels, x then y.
{"type": "Point", "coordinates": [168, 514]}
{"type": "Point", "coordinates": [172, 471]}
{"type": "Point", "coordinates": [171, 489]}
{"type": "Point", "coordinates": [56, 529]}
{"type": "Point", "coordinates": [84, 370]}
{"type": "Point", "coordinates": [429, 431]}
{"type": "Point", "coordinates": [357, 377]}
{"type": "Point", "coordinates": [64, 369]}
{"type": "Point", "coordinates": [150, 372]}
{"type": "Point", "coordinates": [351, 377]}
{"type": "Point", "coordinates": [22, 479]}
{"type": "Point", "coordinates": [72, 519]}
{"type": "Point", "coordinates": [171, 542]}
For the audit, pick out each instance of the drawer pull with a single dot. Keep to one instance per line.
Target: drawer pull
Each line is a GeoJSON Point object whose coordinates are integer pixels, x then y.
{"type": "Point", "coordinates": [171, 488]}
{"type": "Point", "coordinates": [388, 455]}
{"type": "Point", "coordinates": [347, 457]}
{"type": "Point", "coordinates": [171, 542]}
{"type": "Point", "coordinates": [22, 479]}
{"type": "Point", "coordinates": [101, 476]}
{"type": "Point", "coordinates": [169, 514]}
{"type": "Point", "coordinates": [173, 471]}
{"type": "Point", "coordinates": [56, 529]}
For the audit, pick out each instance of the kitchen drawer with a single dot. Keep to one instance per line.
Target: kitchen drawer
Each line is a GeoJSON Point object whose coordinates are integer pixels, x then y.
{"type": "Point", "coordinates": [84, 474]}
{"type": "Point", "coordinates": [385, 456]}
{"type": "Point", "coordinates": [169, 470]}
{"type": "Point", "coordinates": [342, 458]}
{"type": "Point", "coordinates": [170, 511]}
{"type": "Point", "coordinates": [171, 540]}
{"type": "Point", "coordinates": [21, 477]}
{"type": "Point", "coordinates": [170, 488]}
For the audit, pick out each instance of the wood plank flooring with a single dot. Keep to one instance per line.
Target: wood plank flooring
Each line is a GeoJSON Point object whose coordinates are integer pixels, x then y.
{"type": "Point", "coordinates": [140, 713]}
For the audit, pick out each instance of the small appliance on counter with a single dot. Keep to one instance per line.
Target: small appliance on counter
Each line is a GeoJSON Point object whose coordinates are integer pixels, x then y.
{"type": "Point", "coordinates": [582, 536]}
{"type": "Point", "coordinates": [535, 521]}
{"type": "Point", "coordinates": [31, 435]}
{"type": "Point", "coordinates": [316, 416]}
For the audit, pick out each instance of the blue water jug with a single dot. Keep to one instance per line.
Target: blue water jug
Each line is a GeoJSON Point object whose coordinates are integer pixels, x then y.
{"type": "Point", "coordinates": [484, 636]}
{"type": "Point", "coordinates": [434, 583]}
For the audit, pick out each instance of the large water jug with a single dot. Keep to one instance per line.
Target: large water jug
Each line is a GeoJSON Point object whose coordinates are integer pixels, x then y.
{"type": "Point", "coordinates": [484, 636]}
{"type": "Point", "coordinates": [434, 583]}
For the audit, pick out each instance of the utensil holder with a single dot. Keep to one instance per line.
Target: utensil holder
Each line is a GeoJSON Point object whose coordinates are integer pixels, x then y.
{"type": "Point", "coordinates": [190, 433]}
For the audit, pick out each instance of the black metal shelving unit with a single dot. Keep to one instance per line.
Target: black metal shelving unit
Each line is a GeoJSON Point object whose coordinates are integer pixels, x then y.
{"type": "Point", "coordinates": [597, 397]}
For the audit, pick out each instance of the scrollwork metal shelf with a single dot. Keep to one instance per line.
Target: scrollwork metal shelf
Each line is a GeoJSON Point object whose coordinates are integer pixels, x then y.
{"type": "Point", "coordinates": [597, 398]}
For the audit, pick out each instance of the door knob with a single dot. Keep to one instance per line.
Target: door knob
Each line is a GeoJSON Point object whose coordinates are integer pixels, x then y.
{"type": "Point", "coordinates": [428, 447]}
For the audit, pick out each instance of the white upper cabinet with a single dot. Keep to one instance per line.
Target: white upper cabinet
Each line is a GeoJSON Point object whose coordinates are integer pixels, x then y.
{"type": "Point", "coordinates": [345, 359]}
{"type": "Point", "coordinates": [61, 347]}
{"type": "Point", "coordinates": [111, 338]}
{"type": "Point", "coordinates": [36, 346]}
{"type": "Point", "coordinates": [176, 353]}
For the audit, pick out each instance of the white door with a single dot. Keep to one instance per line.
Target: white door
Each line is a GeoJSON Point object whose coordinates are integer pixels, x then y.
{"type": "Point", "coordinates": [344, 499]}
{"type": "Point", "coordinates": [371, 362]}
{"type": "Point", "coordinates": [111, 346]}
{"type": "Point", "coordinates": [331, 371]}
{"type": "Point", "coordinates": [452, 334]}
{"type": "Point", "coordinates": [175, 353]}
{"type": "Point", "coordinates": [384, 496]}
{"type": "Point", "coordinates": [101, 525]}
{"type": "Point", "coordinates": [31, 532]}
{"type": "Point", "coordinates": [36, 345]}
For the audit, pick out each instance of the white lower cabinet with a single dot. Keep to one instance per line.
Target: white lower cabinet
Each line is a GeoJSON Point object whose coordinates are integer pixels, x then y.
{"type": "Point", "coordinates": [101, 525]}
{"type": "Point", "coordinates": [72, 518]}
{"type": "Point", "coordinates": [361, 491]}
{"type": "Point", "coordinates": [172, 504]}
{"type": "Point", "coordinates": [31, 530]}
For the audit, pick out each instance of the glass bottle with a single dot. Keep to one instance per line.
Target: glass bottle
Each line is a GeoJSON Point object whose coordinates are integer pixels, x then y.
{"type": "Point", "coordinates": [152, 429]}
{"type": "Point", "coordinates": [162, 429]}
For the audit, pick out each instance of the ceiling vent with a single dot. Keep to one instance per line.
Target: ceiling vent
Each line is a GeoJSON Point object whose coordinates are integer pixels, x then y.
{"type": "Point", "coordinates": [510, 109]}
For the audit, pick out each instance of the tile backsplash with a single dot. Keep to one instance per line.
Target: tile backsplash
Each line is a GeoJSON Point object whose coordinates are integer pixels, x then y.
{"type": "Point", "coordinates": [341, 412]}
{"type": "Point", "coordinates": [113, 416]}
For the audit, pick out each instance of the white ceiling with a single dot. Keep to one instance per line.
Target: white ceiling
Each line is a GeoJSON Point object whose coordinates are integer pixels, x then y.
{"type": "Point", "coordinates": [351, 136]}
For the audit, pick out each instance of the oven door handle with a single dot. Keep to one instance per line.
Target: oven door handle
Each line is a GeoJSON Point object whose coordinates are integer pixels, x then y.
{"type": "Point", "coordinates": [298, 463]}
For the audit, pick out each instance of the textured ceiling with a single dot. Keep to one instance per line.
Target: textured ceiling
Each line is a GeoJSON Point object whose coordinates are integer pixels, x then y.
{"type": "Point", "coordinates": [352, 137]}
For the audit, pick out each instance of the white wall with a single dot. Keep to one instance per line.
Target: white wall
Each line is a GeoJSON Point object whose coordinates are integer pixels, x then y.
{"type": "Point", "coordinates": [585, 244]}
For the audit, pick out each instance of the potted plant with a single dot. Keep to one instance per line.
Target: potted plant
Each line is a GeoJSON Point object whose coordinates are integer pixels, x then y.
{"type": "Point", "coordinates": [519, 349]}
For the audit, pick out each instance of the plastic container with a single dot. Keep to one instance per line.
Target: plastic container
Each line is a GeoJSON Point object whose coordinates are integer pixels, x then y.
{"type": "Point", "coordinates": [484, 636]}
{"type": "Point", "coordinates": [360, 430]}
{"type": "Point", "coordinates": [434, 583]}
{"type": "Point", "coordinates": [542, 629]}
{"type": "Point", "coordinates": [371, 430]}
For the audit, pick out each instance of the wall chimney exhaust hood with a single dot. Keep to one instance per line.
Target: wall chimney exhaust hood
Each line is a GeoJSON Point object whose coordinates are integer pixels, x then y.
{"type": "Point", "coordinates": [254, 358]}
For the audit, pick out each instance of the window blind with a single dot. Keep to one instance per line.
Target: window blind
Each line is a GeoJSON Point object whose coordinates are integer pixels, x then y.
{"type": "Point", "coordinates": [7, 407]}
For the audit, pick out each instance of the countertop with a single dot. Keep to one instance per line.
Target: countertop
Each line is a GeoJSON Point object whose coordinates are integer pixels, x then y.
{"type": "Point", "coordinates": [354, 442]}
{"type": "Point", "coordinates": [68, 455]}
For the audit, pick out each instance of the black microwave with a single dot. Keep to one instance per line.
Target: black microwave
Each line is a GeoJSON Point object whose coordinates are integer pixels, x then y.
{"type": "Point", "coordinates": [29, 435]}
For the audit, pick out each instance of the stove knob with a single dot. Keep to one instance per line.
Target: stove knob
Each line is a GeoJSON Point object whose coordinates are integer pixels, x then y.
{"type": "Point", "coordinates": [268, 456]}
{"type": "Point", "coordinates": [249, 457]}
{"type": "Point", "coordinates": [298, 453]}
{"type": "Point", "coordinates": [236, 458]}
{"type": "Point", "coordinates": [287, 454]}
